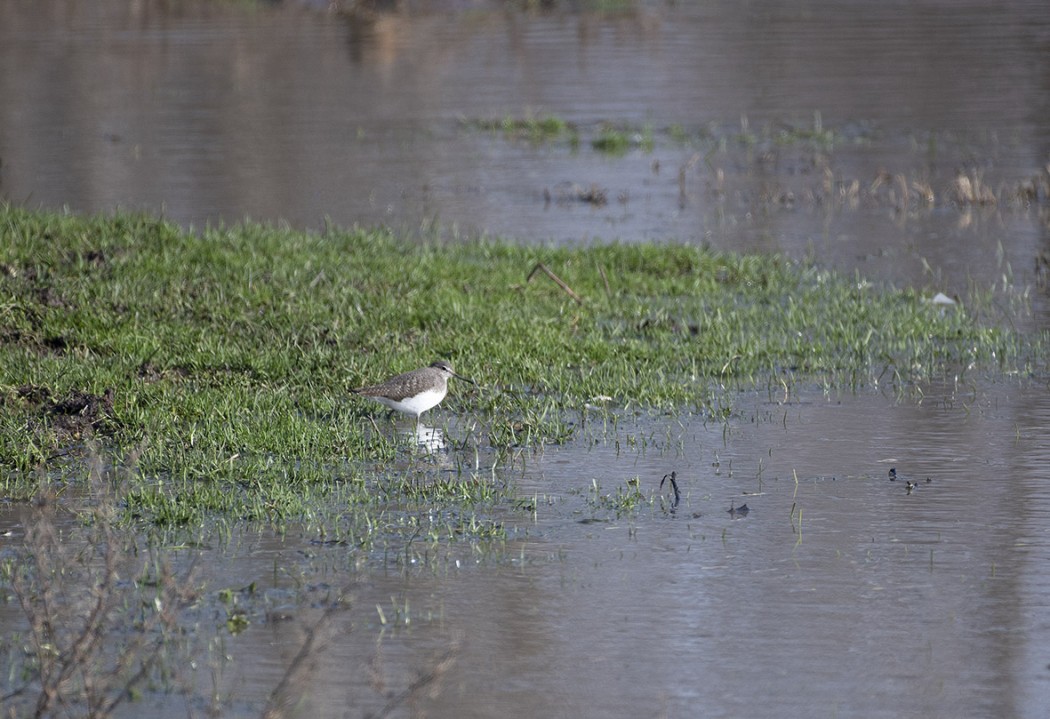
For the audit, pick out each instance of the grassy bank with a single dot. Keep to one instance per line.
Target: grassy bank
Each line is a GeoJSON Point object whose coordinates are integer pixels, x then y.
{"type": "Point", "coordinates": [220, 361]}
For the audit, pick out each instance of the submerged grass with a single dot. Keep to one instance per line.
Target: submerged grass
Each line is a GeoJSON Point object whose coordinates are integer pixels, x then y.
{"type": "Point", "coordinates": [223, 359]}
{"type": "Point", "coordinates": [617, 141]}
{"type": "Point", "coordinates": [535, 129]}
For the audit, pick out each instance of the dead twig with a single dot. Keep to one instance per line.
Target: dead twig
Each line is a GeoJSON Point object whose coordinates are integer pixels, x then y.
{"type": "Point", "coordinates": [608, 292]}
{"type": "Point", "coordinates": [557, 280]}
{"type": "Point", "coordinates": [673, 476]}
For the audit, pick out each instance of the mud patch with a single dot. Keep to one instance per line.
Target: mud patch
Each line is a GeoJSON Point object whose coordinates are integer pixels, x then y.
{"type": "Point", "coordinates": [149, 372]}
{"type": "Point", "coordinates": [78, 414]}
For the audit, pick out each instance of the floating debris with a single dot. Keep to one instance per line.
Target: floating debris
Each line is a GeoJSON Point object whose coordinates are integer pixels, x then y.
{"type": "Point", "coordinates": [674, 486]}
{"type": "Point", "coordinates": [740, 511]}
{"type": "Point", "coordinates": [569, 192]}
{"type": "Point", "coordinates": [909, 484]}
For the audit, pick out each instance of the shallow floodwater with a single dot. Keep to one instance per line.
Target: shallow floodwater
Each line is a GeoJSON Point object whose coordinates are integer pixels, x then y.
{"type": "Point", "coordinates": [839, 593]}
{"type": "Point", "coordinates": [310, 112]}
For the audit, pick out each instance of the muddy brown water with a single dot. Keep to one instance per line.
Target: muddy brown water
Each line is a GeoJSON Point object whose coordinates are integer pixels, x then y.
{"type": "Point", "coordinates": [842, 594]}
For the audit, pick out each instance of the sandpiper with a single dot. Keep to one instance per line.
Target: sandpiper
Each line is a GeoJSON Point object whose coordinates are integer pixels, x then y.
{"type": "Point", "coordinates": [414, 392]}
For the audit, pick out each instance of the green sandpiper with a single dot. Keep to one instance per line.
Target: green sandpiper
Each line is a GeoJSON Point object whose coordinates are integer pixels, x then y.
{"type": "Point", "coordinates": [414, 392]}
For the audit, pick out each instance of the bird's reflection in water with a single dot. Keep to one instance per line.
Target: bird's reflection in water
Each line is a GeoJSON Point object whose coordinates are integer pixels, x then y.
{"type": "Point", "coordinates": [429, 439]}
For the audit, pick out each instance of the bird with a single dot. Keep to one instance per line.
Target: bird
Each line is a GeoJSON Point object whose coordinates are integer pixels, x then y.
{"type": "Point", "coordinates": [414, 392]}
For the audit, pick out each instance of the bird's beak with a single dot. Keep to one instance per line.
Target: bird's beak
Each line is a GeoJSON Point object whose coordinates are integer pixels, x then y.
{"type": "Point", "coordinates": [465, 379]}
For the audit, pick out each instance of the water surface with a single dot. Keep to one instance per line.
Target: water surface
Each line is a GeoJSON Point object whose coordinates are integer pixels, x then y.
{"type": "Point", "coordinates": [213, 112]}
{"type": "Point", "coordinates": [838, 593]}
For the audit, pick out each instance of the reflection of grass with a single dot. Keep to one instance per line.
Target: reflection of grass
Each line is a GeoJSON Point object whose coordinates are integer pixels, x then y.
{"type": "Point", "coordinates": [228, 354]}
{"type": "Point", "coordinates": [101, 613]}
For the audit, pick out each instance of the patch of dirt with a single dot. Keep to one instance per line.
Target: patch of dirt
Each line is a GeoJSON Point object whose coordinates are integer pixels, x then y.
{"type": "Point", "coordinates": [12, 271]}
{"type": "Point", "coordinates": [35, 294]}
{"type": "Point", "coordinates": [149, 372]}
{"type": "Point", "coordinates": [78, 414]}
{"type": "Point", "coordinates": [33, 394]}
{"type": "Point", "coordinates": [94, 257]}
{"type": "Point", "coordinates": [49, 297]}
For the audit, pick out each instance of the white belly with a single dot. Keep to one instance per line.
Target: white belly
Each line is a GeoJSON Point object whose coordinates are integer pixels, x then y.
{"type": "Point", "coordinates": [415, 405]}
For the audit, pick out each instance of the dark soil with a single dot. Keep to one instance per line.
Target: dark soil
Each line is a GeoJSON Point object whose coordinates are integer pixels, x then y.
{"type": "Point", "coordinates": [78, 414]}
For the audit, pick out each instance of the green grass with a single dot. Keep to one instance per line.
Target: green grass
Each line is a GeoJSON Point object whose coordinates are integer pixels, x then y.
{"type": "Point", "coordinates": [229, 353]}
{"type": "Point", "coordinates": [538, 129]}
{"type": "Point", "coordinates": [626, 501]}
{"type": "Point", "coordinates": [613, 140]}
